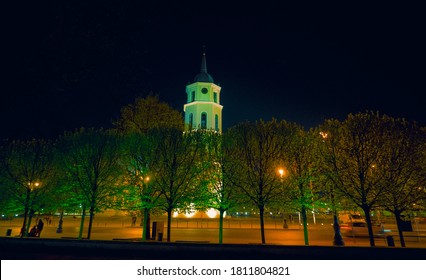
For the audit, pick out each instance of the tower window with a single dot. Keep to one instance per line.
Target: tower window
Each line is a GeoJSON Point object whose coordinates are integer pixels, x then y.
{"type": "Point", "coordinates": [215, 97]}
{"type": "Point", "coordinates": [203, 121]}
{"type": "Point", "coordinates": [216, 122]}
{"type": "Point", "coordinates": [191, 121]}
{"type": "Point", "coordinates": [193, 96]}
{"type": "Point", "coordinates": [204, 90]}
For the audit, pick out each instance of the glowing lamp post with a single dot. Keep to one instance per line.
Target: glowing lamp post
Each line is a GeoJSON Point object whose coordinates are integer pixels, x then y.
{"type": "Point", "coordinates": [281, 172]}
{"type": "Point", "coordinates": [26, 226]}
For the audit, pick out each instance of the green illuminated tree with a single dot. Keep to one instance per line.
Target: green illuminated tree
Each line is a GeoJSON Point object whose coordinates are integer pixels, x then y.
{"type": "Point", "coordinates": [302, 164]}
{"type": "Point", "coordinates": [146, 114]}
{"type": "Point", "coordinates": [354, 159]}
{"type": "Point", "coordinates": [175, 169]}
{"type": "Point", "coordinates": [28, 176]}
{"type": "Point", "coordinates": [217, 166]}
{"type": "Point", "coordinates": [92, 161]}
{"type": "Point", "coordinates": [258, 153]}
{"type": "Point", "coordinates": [137, 120]}
{"type": "Point", "coordinates": [139, 192]}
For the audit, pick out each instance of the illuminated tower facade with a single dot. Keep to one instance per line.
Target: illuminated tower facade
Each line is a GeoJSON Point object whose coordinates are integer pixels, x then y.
{"type": "Point", "coordinates": [203, 109]}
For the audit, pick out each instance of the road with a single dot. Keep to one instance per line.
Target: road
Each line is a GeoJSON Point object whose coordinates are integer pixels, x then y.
{"type": "Point", "coordinates": [203, 230]}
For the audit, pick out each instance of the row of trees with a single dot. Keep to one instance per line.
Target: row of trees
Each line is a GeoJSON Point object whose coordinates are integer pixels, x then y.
{"type": "Point", "coordinates": [147, 163]}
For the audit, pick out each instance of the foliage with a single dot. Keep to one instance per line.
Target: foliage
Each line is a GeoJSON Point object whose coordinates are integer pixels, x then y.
{"type": "Point", "coordinates": [403, 169]}
{"type": "Point", "coordinates": [354, 155]}
{"type": "Point", "coordinates": [175, 169]}
{"type": "Point", "coordinates": [28, 175]}
{"type": "Point", "coordinates": [302, 163]}
{"type": "Point", "coordinates": [146, 114]}
{"type": "Point", "coordinates": [257, 155]}
{"type": "Point", "coordinates": [91, 159]}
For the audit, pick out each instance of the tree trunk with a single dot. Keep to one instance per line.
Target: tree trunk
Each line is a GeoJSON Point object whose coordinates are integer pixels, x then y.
{"type": "Point", "coordinates": [337, 240]}
{"type": "Point", "coordinates": [145, 224]}
{"type": "Point", "coordinates": [399, 224]}
{"type": "Point", "coordinates": [148, 225]}
{"type": "Point", "coordinates": [61, 220]}
{"type": "Point", "coordinates": [262, 224]}
{"type": "Point", "coordinates": [305, 224]}
{"type": "Point", "coordinates": [92, 214]}
{"type": "Point", "coordinates": [24, 229]}
{"type": "Point", "coordinates": [169, 223]}
{"type": "Point", "coordinates": [221, 211]}
{"type": "Point", "coordinates": [369, 226]}
{"type": "Point", "coordinates": [83, 215]}
{"type": "Point", "coordinates": [30, 217]}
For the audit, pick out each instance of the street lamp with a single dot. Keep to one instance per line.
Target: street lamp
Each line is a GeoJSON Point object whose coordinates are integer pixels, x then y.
{"type": "Point", "coordinates": [28, 206]}
{"type": "Point", "coordinates": [282, 172]}
{"type": "Point", "coordinates": [146, 211]}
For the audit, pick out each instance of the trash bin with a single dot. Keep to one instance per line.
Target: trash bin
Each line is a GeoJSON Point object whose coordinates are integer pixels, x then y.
{"type": "Point", "coordinates": [390, 241]}
{"type": "Point", "coordinates": [160, 236]}
{"type": "Point", "coordinates": [9, 232]}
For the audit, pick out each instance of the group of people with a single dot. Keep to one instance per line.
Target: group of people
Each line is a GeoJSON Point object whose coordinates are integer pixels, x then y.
{"type": "Point", "coordinates": [36, 229]}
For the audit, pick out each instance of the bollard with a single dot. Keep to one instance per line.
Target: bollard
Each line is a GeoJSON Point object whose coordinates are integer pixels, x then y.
{"type": "Point", "coordinates": [9, 232]}
{"type": "Point", "coordinates": [285, 225]}
{"type": "Point", "coordinates": [390, 241]}
{"type": "Point", "coordinates": [154, 230]}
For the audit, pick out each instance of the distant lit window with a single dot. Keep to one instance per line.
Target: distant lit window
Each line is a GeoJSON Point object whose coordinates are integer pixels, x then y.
{"type": "Point", "coordinates": [203, 121]}
{"type": "Point", "coordinates": [215, 97]}
{"type": "Point", "coordinates": [216, 122]}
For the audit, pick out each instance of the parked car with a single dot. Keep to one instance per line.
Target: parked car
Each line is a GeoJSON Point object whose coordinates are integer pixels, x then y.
{"type": "Point", "coordinates": [360, 229]}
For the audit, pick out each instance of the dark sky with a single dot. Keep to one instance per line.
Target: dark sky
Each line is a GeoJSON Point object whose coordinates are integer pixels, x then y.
{"type": "Point", "coordinates": [69, 65]}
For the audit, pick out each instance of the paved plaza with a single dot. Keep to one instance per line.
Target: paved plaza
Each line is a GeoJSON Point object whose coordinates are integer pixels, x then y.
{"type": "Point", "coordinates": [236, 231]}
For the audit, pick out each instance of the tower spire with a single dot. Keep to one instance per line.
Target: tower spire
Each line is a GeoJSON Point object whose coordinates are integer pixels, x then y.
{"type": "Point", "coordinates": [203, 61]}
{"type": "Point", "coordinates": [203, 109]}
{"type": "Point", "coordinates": [203, 76]}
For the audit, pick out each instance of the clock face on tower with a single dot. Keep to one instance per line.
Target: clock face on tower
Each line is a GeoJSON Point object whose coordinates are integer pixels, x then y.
{"type": "Point", "coordinates": [204, 90]}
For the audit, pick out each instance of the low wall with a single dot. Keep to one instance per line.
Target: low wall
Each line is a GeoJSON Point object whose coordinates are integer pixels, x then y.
{"type": "Point", "coordinates": [34, 248]}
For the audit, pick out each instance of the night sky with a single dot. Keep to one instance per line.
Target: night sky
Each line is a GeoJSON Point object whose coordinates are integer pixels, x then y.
{"type": "Point", "coordinates": [75, 65]}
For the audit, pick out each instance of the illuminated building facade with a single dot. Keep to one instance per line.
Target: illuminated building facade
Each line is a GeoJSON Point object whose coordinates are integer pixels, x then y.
{"type": "Point", "coordinates": [203, 109]}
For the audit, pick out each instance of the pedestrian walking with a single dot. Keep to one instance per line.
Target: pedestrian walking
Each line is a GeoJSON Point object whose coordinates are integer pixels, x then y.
{"type": "Point", "coordinates": [39, 227]}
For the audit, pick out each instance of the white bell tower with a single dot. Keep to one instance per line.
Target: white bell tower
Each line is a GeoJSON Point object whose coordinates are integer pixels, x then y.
{"type": "Point", "coordinates": [203, 109]}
